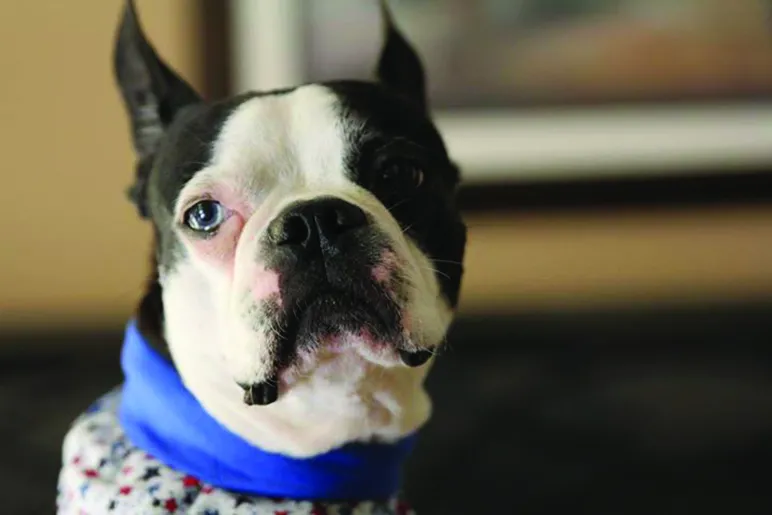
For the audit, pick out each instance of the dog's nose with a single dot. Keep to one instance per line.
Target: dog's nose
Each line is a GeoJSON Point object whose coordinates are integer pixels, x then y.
{"type": "Point", "coordinates": [317, 224]}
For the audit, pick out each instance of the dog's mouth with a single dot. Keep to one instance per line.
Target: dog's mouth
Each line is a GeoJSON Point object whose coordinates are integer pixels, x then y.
{"type": "Point", "coordinates": [322, 316]}
{"type": "Point", "coordinates": [321, 321]}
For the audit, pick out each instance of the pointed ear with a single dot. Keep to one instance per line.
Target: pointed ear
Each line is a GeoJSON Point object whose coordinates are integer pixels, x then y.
{"type": "Point", "coordinates": [399, 66]}
{"type": "Point", "coordinates": [151, 91]}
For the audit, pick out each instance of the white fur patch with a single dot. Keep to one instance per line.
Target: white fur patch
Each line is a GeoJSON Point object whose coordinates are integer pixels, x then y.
{"type": "Point", "coordinates": [273, 151]}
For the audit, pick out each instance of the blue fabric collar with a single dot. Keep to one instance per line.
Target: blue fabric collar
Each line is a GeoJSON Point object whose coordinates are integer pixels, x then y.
{"type": "Point", "coordinates": [161, 417]}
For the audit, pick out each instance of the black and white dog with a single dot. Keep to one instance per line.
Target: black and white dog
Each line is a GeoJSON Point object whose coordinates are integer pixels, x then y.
{"type": "Point", "coordinates": [308, 258]}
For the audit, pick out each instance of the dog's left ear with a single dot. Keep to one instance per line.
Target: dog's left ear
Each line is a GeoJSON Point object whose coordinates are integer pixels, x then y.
{"type": "Point", "coordinates": [152, 93]}
{"type": "Point", "coordinates": [399, 66]}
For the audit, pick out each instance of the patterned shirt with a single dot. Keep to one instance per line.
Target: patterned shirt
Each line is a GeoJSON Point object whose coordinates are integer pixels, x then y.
{"type": "Point", "coordinates": [103, 473]}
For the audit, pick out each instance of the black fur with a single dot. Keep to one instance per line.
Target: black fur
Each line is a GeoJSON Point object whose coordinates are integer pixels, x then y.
{"type": "Point", "coordinates": [399, 67]}
{"type": "Point", "coordinates": [152, 94]}
{"type": "Point", "coordinates": [396, 130]}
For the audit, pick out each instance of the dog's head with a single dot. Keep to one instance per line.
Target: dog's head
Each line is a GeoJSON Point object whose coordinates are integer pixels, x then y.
{"type": "Point", "coordinates": [308, 247]}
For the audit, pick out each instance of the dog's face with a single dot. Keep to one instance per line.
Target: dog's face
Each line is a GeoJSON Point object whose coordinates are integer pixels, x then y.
{"type": "Point", "coordinates": [308, 247]}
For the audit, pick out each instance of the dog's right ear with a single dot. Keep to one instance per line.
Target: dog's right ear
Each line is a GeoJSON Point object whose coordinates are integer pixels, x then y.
{"type": "Point", "coordinates": [152, 93]}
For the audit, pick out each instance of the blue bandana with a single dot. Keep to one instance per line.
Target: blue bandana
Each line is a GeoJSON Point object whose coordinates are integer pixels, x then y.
{"type": "Point", "coordinates": [160, 416]}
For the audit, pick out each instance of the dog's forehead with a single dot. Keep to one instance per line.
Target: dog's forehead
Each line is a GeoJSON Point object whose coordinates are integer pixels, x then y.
{"type": "Point", "coordinates": [301, 134]}
{"type": "Point", "coordinates": [306, 134]}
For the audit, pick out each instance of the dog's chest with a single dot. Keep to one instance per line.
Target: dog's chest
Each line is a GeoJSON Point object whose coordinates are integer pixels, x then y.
{"type": "Point", "coordinates": [104, 473]}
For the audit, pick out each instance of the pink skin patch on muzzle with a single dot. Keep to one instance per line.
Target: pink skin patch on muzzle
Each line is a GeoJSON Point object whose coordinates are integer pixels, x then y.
{"type": "Point", "coordinates": [266, 285]}
{"type": "Point", "coordinates": [383, 271]}
{"type": "Point", "coordinates": [407, 322]}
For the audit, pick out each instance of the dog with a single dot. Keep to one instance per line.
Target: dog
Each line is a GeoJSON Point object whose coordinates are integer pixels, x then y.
{"type": "Point", "coordinates": [307, 263]}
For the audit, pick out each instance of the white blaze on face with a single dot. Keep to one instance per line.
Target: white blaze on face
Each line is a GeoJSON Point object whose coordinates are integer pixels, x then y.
{"type": "Point", "coordinates": [273, 151]}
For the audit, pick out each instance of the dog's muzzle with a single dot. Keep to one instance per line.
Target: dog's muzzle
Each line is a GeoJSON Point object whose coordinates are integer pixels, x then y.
{"type": "Point", "coordinates": [334, 280]}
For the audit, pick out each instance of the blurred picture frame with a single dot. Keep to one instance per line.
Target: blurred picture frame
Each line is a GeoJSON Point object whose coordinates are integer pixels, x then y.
{"type": "Point", "coordinates": [591, 88]}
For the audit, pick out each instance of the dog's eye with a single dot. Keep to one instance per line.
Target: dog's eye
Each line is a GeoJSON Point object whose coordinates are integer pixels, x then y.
{"type": "Point", "coordinates": [205, 216]}
{"type": "Point", "coordinates": [400, 178]}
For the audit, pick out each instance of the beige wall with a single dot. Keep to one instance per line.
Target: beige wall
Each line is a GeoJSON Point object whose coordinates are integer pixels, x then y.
{"type": "Point", "coordinates": [579, 261]}
{"type": "Point", "coordinates": [71, 244]}
{"type": "Point", "coordinates": [73, 252]}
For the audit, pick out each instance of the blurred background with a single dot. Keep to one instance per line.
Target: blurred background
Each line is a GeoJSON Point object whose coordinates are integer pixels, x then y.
{"type": "Point", "coordinates": [611, 352]}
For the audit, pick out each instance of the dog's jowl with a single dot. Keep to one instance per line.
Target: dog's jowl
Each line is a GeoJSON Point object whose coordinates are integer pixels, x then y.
{"type": "Point", "coordinates": [307, 263]}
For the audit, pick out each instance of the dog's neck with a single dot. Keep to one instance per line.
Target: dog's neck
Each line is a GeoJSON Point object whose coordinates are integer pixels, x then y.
{"type": "Point", "coordinates": [342, 399]}
{"type": "Point", "coordinates": [174, 428]}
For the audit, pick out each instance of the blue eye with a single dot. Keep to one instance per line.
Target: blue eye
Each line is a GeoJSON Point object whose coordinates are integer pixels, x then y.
{"type": "Point", "coordinates": [205, 216]}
